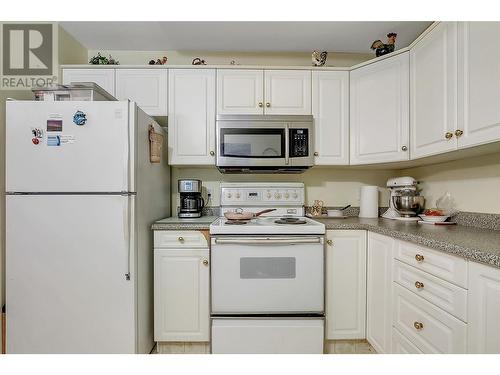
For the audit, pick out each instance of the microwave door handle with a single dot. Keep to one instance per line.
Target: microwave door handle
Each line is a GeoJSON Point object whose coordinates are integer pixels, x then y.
{"type": "Point", "coordinates": [287, 146]}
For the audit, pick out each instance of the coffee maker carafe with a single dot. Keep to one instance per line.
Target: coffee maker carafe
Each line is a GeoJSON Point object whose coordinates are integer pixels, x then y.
{"type": "Point", "coordinates": [191, 201]}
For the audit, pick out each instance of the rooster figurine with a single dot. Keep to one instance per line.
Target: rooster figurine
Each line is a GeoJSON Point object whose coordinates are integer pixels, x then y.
{"type": "Point", "coordinates": [383, 49]}
{"type": "Point", "coordinates": [319, 58]}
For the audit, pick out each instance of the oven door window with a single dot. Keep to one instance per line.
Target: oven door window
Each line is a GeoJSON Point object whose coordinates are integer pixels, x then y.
{"type": "Point", "coordinates": [267, 268]}
{"type": "Point", "coordinates": [252, 143]}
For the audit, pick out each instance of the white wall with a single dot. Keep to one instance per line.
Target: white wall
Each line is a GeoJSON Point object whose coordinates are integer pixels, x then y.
{"type": "Point", "coordinates": [334, 186]}
{"type": "Point", "coordinates": [474, 183]}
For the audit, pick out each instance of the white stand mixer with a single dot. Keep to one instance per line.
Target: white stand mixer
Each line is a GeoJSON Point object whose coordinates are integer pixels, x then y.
{"type": "Point", "coordinates": [399, 186]}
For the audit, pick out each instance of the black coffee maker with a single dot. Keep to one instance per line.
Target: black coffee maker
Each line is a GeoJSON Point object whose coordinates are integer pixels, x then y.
{"type": "Point", "coordinates": [192, 202]}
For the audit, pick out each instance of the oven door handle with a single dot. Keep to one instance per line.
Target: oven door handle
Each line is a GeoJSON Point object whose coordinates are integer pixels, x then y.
{"type": "Point", "coordinates": [268, 241]}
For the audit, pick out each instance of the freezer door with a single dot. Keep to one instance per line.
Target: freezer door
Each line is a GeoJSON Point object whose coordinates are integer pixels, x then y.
{"type": "Point", "coordinates": [47, 151]}
{"type": "Point", "coordinates": [66, 261]}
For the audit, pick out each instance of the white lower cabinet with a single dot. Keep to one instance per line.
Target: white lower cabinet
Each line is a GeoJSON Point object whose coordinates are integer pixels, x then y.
{"type": "Point", "coordinates": [345, 284]}
{"type": "Point", "coordinates": [401, 345]}
{"type": "Point", "coordinates": [484, 309]}
{"type": "Point", "coordinates": [379, 292]}
{"type": "Point", "coordinates": [181, 294]}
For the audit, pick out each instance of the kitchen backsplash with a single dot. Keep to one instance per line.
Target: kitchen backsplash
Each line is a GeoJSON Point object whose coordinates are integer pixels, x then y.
{"type": "Point", "coordinates": [335, 187]}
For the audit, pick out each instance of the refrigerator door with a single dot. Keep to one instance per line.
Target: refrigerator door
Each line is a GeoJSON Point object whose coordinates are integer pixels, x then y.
{"type": "Point", "coordinates": [66, 263]}
{"type": "Point", "coordinates": [46, 151]}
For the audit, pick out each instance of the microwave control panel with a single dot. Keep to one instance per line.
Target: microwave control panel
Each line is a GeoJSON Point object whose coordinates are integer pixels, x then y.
{"type": "Point", "coordinates": [299, 143]}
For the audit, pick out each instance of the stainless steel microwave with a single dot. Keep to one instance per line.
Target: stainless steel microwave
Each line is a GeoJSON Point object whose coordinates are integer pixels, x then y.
{"type": "Point", "coordinates": [264, 144]}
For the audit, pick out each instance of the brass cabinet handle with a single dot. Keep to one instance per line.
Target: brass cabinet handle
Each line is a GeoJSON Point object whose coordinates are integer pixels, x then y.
{"type": "Point", "coordinates": [205, 262]}
{"type": "Point", "coordinates": [260, 104]}
{"type": "Point", "coordinates": [180, 239]}
{"type": "Point", "coordinates": [459, 132]}
{"type": "Point", "coordinates": [448, 135]}
{"type": "Point", "coordinates": [419, 257]}
{"type": "Point", "coordinates": [329, 242]}
{"type": "Point", "coordinates": [212, 153]}
{"type": "Point", "coordinates": [419, 285]}
{"type": "Point", "coordinates": [418, 325]}
{"type": "Point", "coordinates": [404, 148]}
{"type": "Point", "coordinates": [316, 153]}
{"type": "Point", "coordinates": [268, 104]}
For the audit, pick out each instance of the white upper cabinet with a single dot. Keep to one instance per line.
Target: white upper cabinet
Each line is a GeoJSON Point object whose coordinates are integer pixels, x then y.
{"type": "Point", "coordinates": [240, 92]}
{"type": "Point", "coordinates": [484, 309]}
{"type": "Point", "coordinates": [379, 111]}
{"type": "Point", "coordinates": [103, 77]}
{"type": "Point", "coordinates": [287, 92]}
{"type": "Point", "coordinates": [330, 108]}
{"type": "Point", "coordinates": [433, 92]}
{"type": "Point", "coordinates": [379, 292]}
{"type": "Point", "coordinates": [479, 83]}
{"type": "Point", "coordinates": [147, 87]}
{"type": "Point", "coordinates": [191, 117]}
{"type": "Point", "coordinates": [345, 284]}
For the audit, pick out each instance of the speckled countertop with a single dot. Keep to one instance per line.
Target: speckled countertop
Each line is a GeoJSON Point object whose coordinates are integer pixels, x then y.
{"type": "Point", "coordinates": [480, 245]}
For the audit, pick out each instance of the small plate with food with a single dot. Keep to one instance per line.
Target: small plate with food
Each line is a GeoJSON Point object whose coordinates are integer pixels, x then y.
{"type": "Point", "coordinates": [434, 216]}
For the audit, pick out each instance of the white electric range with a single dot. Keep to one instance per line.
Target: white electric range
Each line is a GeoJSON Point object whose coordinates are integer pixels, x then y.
{"type": "Point", "coordinates": [267, 273]}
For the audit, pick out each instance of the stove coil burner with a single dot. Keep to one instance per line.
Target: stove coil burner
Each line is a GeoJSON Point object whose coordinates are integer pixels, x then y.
{"type": "Point", "coordinates": [236, 222]}
{"type": "Point", "coordinates": [290, 220]}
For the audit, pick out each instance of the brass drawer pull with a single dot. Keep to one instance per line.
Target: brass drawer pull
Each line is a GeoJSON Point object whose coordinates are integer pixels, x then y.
{"type": "Point", "coordinates": [329, 242]}
{"type": "Point", "coordinates": [180, 239]}
{"type": "Point", "coordinates": [419, 285]}
{"type": "Point", "coordinates": [260, 104]}
{"type": "Point", "coordinates": [418, 326]}
{"type": "Point", "coordinates": [205, 262]}
{"type": "Point", "coordinates": [268, 105]}
{"type": "Point", "coordinates": [448, 135]}
{"type": "Point", "coordinates": [459, 132]}
{"type": "Point", "coordinates": [419, 257]}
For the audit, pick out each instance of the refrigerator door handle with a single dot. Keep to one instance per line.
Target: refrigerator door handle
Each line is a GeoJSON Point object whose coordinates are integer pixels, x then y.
{"type": "Point", "coordinates": [126, 226]}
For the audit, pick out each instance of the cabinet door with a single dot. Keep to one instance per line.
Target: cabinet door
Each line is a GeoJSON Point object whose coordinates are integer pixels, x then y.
{"type": "Point", "coordinates": [433, 93]}
{"type": "Point", "coordinates": [479, 83]}
{"type": "Point", "coordinates": [483, 309]}
{"type": "Point", "coordinates": [379, 292]}
{"type": "Point", "coordinates": [181, 297]}
{"type": "Point", "coordinates": [345, 284]}
{"type": "Point", "coordinates": [330, 108]}
{"type": "Point", "coordinates": [147, 87]}
{"type": "Point", "coordinates": [287, 92]}
{"type": "Point", "coordinates": [103, 77]}
{"type": "Point", "coordinates": [240, 92]}
{"type": "Point", "coordinates": [379, 113]}
{"type": "Point", "coordinates": [191, 117]}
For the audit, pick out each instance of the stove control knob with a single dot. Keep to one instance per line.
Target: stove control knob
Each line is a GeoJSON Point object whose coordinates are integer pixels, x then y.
{"type": "Point", "coordinates": [277, 195]}
{"type": "Point", "coordinates": [238, 195]}
{"type": "Point", "coordinates": [229, 195]}
{"type": "Point", "coordinates": [269, 195]}
{"type": "Point", "coordinates": [287, 195]}
{"type": "Point", "coordinates": [295, 195]}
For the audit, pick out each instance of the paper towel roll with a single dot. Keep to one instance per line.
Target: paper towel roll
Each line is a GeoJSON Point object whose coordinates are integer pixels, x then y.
{"type": "Point", "coordinates": [368, 202]}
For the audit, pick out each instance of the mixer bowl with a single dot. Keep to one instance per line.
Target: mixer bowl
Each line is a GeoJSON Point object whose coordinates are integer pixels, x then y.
{"type": "Point", "coordinates": [408, 205]}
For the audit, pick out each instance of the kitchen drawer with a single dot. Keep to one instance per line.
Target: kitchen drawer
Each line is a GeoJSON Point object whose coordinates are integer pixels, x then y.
{"type": "Point", "coordinates": [439, 332]}
{"type": "Point", "coordinates": [441, 293]}
{"type": "Point", "coordinates": [268, 335]}
{"type": "Point", "coordinates": [179, 239]}
{"type": "Point", "coordinates": [401, 345]}
{"type": "Point", "coordinates": [447, 267]}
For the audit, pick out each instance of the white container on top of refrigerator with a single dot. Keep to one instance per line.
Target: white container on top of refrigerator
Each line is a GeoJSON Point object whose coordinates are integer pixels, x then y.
{"type": "Point", "coordinates": [81, 196]}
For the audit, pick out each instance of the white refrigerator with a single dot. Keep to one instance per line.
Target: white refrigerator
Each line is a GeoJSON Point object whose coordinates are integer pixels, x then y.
{"type": "Point", "coordinates": [82, 194]}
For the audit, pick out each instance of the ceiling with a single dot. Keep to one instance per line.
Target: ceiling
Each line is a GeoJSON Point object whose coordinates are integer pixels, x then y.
{"type": "Point", "coordinates": [241, 36]}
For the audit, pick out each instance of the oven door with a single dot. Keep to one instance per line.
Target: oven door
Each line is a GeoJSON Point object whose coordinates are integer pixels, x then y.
{"type": "Point", "coordinates": [242, 144]}
{"type": "Point", "coordinates": [267, 275]}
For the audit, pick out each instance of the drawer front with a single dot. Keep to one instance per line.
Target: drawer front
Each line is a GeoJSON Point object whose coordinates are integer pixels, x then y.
{"type": "Point", "coordinates": [447, 267]}
{"type": "Point", "coordinates": [431, 329]}
{"type": "Point", "coordinates": [179, 239]}
{"type": "Point", "coordinates": [441, 293]}
{"type": "Point", "coordinates": [401, 345]}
